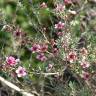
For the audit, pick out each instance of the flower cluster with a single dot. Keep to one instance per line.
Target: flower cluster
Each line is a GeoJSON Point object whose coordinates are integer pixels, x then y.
{"type": "Point", "coordinates": [36, 48]}
{"type": "Point", "coordinates": [60, 7]}
{"type": "Point", "coordinates": [59, 25]}
{"type": "Point", "coordinates": [40, 49]}
{"type": "Point", "coordinates": [72, 57]}
{"type": "Point", "coordinates": [12, 62]}
{"type": "Point", "coordinates": [41, 57]}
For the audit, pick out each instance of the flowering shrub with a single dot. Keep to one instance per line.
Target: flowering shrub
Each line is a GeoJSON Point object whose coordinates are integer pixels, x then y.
{"type": "Point", "coordinates": [47, 47]}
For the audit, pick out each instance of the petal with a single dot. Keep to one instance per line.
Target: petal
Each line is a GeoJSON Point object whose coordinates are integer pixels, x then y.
{"type": "Point", "coordinates": [19, 75]}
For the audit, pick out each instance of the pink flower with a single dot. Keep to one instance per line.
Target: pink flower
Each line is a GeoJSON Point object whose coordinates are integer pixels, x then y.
{"type": "Point", "coordinates": [67, 1]}
{"type": "Point", "coordinates": [85, 64]}
{"type": "Point", "coordinates": [60, 25]}
{"type": "Point", "coordinates": [18, 32]}
{"type": "Point", "coordinates": [21, 71]}
{"type": "Point", "coordinates": [11, 61]}
{"type": "Point", "coordinates": [43, 5]}
{"type": "Point", "coordinates": [35, 48]}
{"type": "Point", "coordinates": [60, 7]}
{"type": "Point", "coordinates": [41, 57]}
{"type": "Point", "coordinates": [85, 75]}
{"type": "Point", "coordinates": [43, 47]}
{"type": "Point", "coordinates": [72, 56]}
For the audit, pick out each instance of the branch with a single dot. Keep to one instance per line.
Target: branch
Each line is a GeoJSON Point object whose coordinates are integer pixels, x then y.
{"type": "Point", "coordinates": [46, 74]}
{"type": "Point", "coordinates": [14, 87]}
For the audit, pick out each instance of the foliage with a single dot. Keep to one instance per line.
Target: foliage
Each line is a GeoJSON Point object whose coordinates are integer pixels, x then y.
{"type": "Point", "coordinates": [49, 46]}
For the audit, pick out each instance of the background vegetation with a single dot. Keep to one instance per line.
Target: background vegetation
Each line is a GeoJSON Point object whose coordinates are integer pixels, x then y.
{"type": "Point", "coordinates": [24, 23]}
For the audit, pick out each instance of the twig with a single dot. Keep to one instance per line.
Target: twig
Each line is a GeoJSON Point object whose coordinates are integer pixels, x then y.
{"type": "Point", "coordinates": [14, 87]}
{"type": "Point", "coordinates": [46, 74]}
